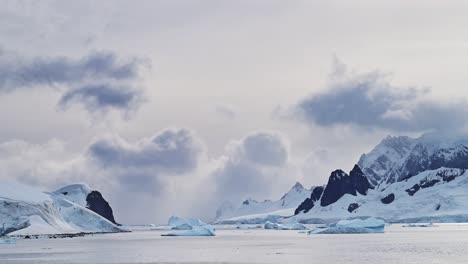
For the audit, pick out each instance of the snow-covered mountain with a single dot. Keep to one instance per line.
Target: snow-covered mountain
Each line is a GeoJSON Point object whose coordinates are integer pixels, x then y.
{"type": "Point", "coordinates": [401, 180]}
{"type": "Point", "coordinates": [24, 210]}
{"type": "Point", "coordinates": [398, 158]}
{"type": "Point", "coordinates": [227, 212]}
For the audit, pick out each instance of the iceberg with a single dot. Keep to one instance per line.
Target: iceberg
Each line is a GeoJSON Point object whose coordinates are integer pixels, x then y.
{"type": "Point", "coordinates": [289, 226]}
{"type": "Point", "coordinates": [205, 230]}
{"type": "Point", "coordinates": [179, 223]}
{"type": "Point", "coordinates": [355, 226]}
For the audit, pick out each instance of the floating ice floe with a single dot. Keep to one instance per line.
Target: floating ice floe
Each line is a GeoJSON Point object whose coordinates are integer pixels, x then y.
{"type": "Point", "coordinates": [205, 230]}
{"type": "Point", "coordinates": [355, 226]}
{"type": "Point", "coordinates": [288, 226]}
{"type": "Point", "coordinates": [180, 223]}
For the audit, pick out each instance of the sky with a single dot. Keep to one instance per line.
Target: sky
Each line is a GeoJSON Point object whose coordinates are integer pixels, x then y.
{"type": "Point", "coordinates": [173, 107]}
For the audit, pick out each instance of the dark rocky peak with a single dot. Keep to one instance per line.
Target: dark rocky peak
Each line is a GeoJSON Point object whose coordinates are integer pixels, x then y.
{"type": "Point", "coordinates": [97, 203]}
{"type": "Point", "coordinates": [341, 183]}
{"type": "Point", "coordinates": [249, 201]}
{"type": "Point", "coordinates": [359, 180]}
{"type": "Point", "coordinates": [309, 203]}
{"type": "Point", "coordinates": [337, 175]}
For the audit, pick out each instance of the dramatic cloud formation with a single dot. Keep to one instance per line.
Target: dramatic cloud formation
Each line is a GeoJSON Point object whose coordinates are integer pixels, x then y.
{"type": "Point", "coordinates": [371, 101]}
{"type": "Point", "coordinates": [99, 81]}
{"type": "Point", "coordinates": [157, 176]}
{"type": "Point", "coordinates": [254, 167]}
{"type": "Point", "coordinates": [142, 165]}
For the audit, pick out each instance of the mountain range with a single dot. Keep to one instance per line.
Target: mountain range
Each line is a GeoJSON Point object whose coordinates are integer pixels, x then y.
{"type": "Point", "coordinates": [402, 179]}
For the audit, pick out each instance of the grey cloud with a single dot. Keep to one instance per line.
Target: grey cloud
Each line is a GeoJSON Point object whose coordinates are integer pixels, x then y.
{"type": "Point", "coordinates": [90, 80]}
{"type": "Point", "coordinates": [102, 96]}
{"type": "Point", "coordinates": [143, 165]}
{"type": "Point", "coordinates": [265, 149]}
{"type": "Point", "coordinates": [254, 167]}
{"type": "Point", "coordinates": [21, 73]}
{"type": "Point", "coordinates": [371, 101]}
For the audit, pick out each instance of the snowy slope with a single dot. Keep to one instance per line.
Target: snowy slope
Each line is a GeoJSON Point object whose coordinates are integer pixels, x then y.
{"type": "Point", "coordinates": [442, 196]}
{"type": "Point", "coordinates": [284, 206]}
{"type": "Point", "coordinates": [75, 193]}
{"type": "Point", "coordinates": [48, 212]}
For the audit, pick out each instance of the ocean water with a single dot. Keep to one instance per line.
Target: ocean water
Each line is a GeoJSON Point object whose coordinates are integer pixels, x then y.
{"type": "Point", "coordinates": [446, 243]}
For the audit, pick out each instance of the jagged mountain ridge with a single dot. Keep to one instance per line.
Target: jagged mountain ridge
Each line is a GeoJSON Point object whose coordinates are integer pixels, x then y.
{"type": "Point", "coordinates": [398, 158]}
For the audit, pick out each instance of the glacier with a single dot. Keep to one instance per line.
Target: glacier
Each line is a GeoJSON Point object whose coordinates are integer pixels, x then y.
{"type": "Point", "coordinates": [25, 210]}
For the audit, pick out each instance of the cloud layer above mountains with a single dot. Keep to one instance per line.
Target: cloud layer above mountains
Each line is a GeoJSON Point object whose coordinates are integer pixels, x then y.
{"type": "Point", "coordinates": [371, 101]}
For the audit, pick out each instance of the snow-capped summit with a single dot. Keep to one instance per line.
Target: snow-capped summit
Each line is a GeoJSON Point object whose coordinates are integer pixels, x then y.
{"type": "Point", "coordinates": [76, 193]}
{"type": "Point", "coordinates": [293, 195]}
{"type": "Point", "coordinates": [399, 158]}
{"type": "Point", "coordinates": [377, 163]}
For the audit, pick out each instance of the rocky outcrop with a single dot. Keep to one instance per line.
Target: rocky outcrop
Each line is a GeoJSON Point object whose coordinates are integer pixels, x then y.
{"type": "Point", "coordinates": [309, 203]}
{"type": "Point", "coordinates": [388, 199]}
{"type": "Point", "coordinates": [353, 207]}
{"type": "Point", "coordinates": [341, 183]}
{"type": "Point", "coordinates": [97, 204]}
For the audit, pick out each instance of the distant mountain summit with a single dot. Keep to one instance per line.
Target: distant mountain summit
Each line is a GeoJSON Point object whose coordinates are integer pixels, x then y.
{"type": "Point", "coordinates": [396, 159]}
{"type": "Point", "coordinates": [287, 203]}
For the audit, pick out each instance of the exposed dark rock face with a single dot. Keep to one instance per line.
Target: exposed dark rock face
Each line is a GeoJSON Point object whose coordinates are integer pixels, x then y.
{"type": "Point", "coordinates": [359, 180]}
{"type": "Point", "coordinates": [444, 175]}
{"type": "Point", "coordinates": [97, 204]}
{"type": "Point", "coordinates": [411, 191]}
{"type": "Point", "coordinates": [317, 193]}
{"type": "Point", "coordinates": [388, 199]}
{"type": "Point", "coordinates": [352, 207]}
{"type": "Point", "coordinates": [305, 206]}
{"type": "Point", "coordinates": [309, 203]}
{"type": "Point", "coordinates": [418, 161]}
{"type": "Point", "coordinates": [451, 158]}
{"type": "Point", "coordinates": [341, 183]}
